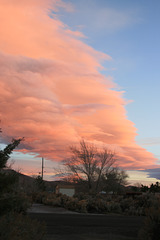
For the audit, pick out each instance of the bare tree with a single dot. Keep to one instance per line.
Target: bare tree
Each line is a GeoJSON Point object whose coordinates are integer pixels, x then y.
{"type": "Point", "coordinates": [89, 163]}
{"type": "Point", "coordinates": [106, 160]}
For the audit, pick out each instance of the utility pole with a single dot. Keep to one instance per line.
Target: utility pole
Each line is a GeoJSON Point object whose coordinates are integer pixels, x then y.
{"type": "Point", "coordinates": [42, 167]}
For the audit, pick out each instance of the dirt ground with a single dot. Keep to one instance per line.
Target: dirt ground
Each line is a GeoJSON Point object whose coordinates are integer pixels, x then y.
{"type": "Point", "coordinates": [66, 225]}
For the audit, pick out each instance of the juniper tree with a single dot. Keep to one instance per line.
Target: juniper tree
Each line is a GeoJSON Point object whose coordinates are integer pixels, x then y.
{"type": "Point", "coordinates": [7, 179]}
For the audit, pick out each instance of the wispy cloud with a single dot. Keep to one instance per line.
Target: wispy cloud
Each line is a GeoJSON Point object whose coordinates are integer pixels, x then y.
{"type": "Point", "coordinates": [99, 17]}
{"type": "Point", "coordinates": [112, 19]}
{"type": "Point", "coordinates": [52, 92]}
{"type": "Point", "coordinates": [149, 141]}
{"type": "Point", "coordinates": [153, 173]}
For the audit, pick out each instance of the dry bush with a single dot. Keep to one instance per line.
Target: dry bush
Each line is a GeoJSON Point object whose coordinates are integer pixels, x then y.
{"type": "Point", "coordinates": [16, 202]}
{"type": "Point", "coordinates": [20, 227]}
{"type": "Point", "coordinates": [101, 203]}
{"type": "Point", "coordinates": [82, 206]}
{"type": "Point", "coordinates": [97, 205]}
{"type": "Point", "coordinates": [151, 227]}
{"type": "Point", "coordinates": [52, 201]}
{"type": "Point", "coordinates": [37, 197]}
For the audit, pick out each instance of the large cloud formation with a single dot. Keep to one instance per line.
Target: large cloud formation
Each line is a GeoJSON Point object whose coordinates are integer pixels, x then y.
{"type": "Point", "coordinates": [52, 91]}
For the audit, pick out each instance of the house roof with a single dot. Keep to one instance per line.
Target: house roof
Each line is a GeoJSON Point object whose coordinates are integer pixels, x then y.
{"type": "Point", "coordinates": [65, 186]}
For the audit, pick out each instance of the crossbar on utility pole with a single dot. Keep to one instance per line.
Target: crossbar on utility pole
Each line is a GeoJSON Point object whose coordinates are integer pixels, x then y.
{"type": "Point", "coordinates": [42, 167]}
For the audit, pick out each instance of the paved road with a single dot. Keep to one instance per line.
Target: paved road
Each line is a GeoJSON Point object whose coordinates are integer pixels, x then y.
{"type": "Point", "coordinates": [87, 226]}
{"type": "Point", "coordinates": [41, 208]}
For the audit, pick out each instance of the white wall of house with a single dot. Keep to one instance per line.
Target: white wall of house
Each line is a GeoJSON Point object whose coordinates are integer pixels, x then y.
{"type": "Point", "coordinates": [68, 191]}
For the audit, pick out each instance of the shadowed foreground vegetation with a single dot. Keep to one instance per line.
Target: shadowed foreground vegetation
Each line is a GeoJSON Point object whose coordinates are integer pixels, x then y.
{"type": "Point", "coordinates": [16, 198]}
{"type": "Point", "coordinates": [141, 205]}
{"type": "Point", "coordinates": [14, 223]}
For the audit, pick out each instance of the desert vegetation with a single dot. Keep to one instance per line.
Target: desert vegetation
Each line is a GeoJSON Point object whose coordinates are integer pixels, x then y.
{"type": "Point", "coordinates": [100, 188]}
{"type": "Point", "coordinates": [14, 223]}
{"type": "Point", "coordinates": [95, 168]}
{"type": "Point", "coordinates": [146, 204]}
{"type": "Point", "coordinates": [84, 203]}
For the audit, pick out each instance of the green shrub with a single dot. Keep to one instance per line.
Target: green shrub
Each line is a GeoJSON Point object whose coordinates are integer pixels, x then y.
{"type": "Point", "coordinates": [16, 202]}
{"type": "Point", "coordinates": [20, 227]}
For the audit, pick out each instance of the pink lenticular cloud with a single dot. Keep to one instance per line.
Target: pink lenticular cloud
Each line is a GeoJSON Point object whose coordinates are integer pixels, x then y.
{"type": "Point", "coordinates": [52, 92]}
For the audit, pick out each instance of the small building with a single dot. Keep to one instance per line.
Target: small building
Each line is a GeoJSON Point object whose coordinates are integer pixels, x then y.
{"type": "Point", "coordinates": [68, 190]}
{"type": "Point", "coordinates": [133, 194]}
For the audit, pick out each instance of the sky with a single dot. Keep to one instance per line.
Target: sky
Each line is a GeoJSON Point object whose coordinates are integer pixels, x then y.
{"type": "Point", "coordinates": [81, 69]}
